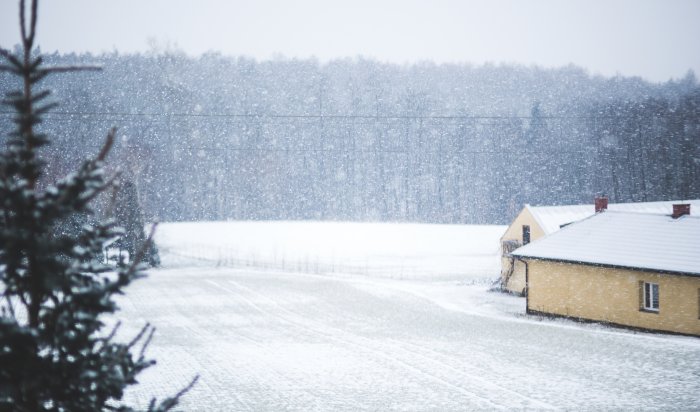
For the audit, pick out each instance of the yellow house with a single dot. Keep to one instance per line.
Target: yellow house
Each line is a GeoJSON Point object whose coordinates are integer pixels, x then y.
{"type": "Point", "coordinates": [635, 270]}
{"type": "Point", "coordinates": [535, 222]}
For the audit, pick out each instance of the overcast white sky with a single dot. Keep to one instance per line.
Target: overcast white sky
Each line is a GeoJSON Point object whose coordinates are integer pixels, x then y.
{"type": "Point", "coordinates": [655, 39]}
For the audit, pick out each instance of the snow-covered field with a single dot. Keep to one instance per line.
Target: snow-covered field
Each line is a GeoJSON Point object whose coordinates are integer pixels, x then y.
{"type": "Point", "coordinates": [338, 316]}
{"type": "Point", "coordinates": [400, 251]}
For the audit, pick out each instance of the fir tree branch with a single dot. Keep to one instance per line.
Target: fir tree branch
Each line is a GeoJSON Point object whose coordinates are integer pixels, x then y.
{"type": "Point", "coordinates": [105, 341]}
{"type": "Point", "coordinates": [113, 332]}
{"type": "Point", "coordinates": [142, 250]}
{"type": "Point", "coordinates": [138, 337]}
{"type": "Point", "coordinates": [23, 24]}
{"type": "Point", "coordinates": [10, 306]}
{"type": "Point", "coordinates": [14, 61]}
{"type": "Point", "coordinates": [107, 146]}
{"type": "Point", "coordinates": [145, 345]}
{"type": "Point", "coordinates": [173, 401]}
{"type": "Point", "coordinates": [187, 388]}
{"type": "Point", "coordinates": [32, 28]}
{"type": "Point", "coordinates": [23, 299]}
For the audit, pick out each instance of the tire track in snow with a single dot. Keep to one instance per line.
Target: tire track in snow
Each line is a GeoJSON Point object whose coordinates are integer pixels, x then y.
{"type": "Point", "coordinates": [199, 331]}
{"type": "Point", "coordinates": [212, 375]}
{"type": "Point", "coordinates": [367, 345]}
{"type": "Point", "coordinates": [442, 360]}
{"type": "Point", "coordinates": [281, 383]}
{"type": "Point", "coordinates": [472, 374]}
{"type": "Point", "coordinates": [255, 306]}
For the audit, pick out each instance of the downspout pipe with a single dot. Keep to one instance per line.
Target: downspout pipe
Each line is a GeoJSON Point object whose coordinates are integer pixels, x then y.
{"type": "Point", "coordinates": [527, 284]}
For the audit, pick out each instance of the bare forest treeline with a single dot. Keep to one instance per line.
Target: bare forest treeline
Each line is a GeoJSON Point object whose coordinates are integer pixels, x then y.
{"type": "Point", "coordinates": [216, 138]}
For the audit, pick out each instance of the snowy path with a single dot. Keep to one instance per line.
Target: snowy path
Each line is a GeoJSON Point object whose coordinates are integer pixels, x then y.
{"type": "Point", "coordinates": [271, 340]}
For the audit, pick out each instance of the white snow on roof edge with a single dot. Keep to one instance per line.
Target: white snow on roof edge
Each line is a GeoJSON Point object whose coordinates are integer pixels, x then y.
{"type": "Point", "coordinates": [644, 241]}
{"type": "Point", "coordinates": [551, 218]}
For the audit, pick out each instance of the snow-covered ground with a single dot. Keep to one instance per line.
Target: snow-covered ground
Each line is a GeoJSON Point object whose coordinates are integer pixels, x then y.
{"type": "Point", "coordinates": [383, 317]}
{"type": "Point", "coordinates": [400, 251]}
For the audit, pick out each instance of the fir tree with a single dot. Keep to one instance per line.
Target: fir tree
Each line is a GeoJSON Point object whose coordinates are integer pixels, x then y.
{"type": "Point", "coordinates": [55, 354]}
{"type": "Point", "coordinates": [129, 215]}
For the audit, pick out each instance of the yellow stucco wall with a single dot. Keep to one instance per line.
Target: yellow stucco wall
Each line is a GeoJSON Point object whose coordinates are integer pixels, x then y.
{"type": "Point", "coordinates": [515, 230]}
{"type": "Point", "coordinates": [516, 281]}
{"type": "Point", "coordinates": [612, 295]}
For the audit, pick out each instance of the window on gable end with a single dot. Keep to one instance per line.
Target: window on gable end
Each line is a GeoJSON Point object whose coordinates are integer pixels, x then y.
{"type": "Point", "coordinates": [526, 234]}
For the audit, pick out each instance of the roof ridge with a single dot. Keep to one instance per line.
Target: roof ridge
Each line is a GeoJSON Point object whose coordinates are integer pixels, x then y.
{"type": "Point", "coordinates": [637, 212]}
{"type": "Point", "coordinates": [676, 201]}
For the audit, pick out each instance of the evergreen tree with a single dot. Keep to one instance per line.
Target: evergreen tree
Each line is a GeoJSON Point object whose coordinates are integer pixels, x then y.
{"type": "Point", "coordinates": [129, 216]}
{"type": "Point", "coordinates": [55, 354]}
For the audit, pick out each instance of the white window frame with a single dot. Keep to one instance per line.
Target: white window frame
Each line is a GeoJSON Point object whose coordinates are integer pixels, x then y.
{"type": "Point", "coordinates": [651, 296]}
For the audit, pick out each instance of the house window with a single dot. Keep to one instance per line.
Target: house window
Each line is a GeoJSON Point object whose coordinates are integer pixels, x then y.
{"type": "Point", "coordinates": [526, 234]}
{"type": "Point", "coordinates": [651, 296]}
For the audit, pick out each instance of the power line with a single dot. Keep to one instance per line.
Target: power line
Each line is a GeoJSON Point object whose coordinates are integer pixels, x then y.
{"type": "Point", "coordinates": [296, 151]}
{"type": "Point", "coordinates": [330, 116]}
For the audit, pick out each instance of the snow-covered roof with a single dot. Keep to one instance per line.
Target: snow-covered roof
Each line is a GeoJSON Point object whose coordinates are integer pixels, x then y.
{"type": "Point", "coordinates": [551, 218]}
{"type": "Point", "coordinates": [635, 240]}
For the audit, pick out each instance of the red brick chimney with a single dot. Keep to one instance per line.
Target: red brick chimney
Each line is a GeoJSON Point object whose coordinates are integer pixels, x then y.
{"type": "Point", "coordinates": [680, 210]}
{"type": "Point", "coordinates": [601, 204]}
